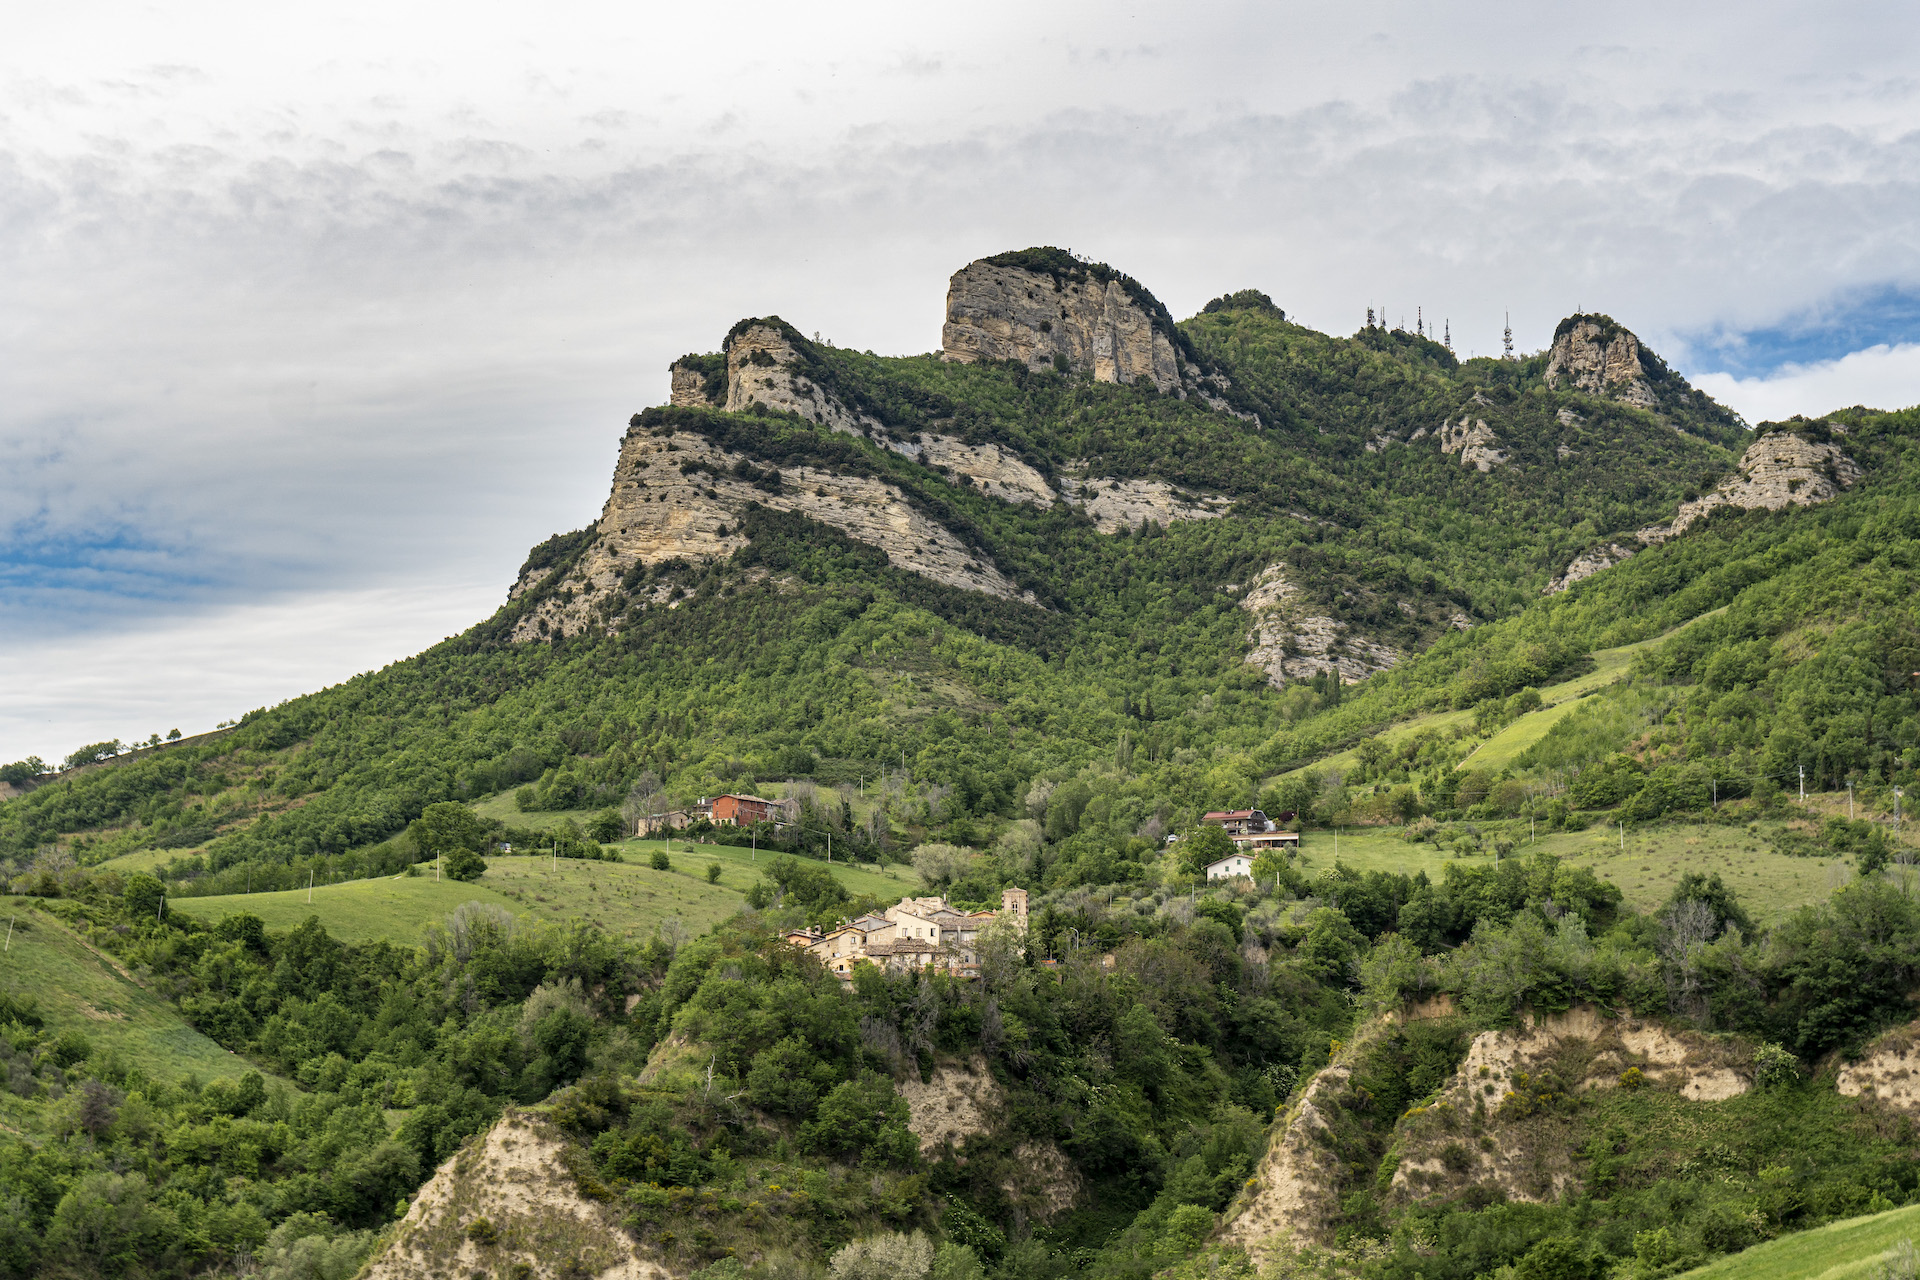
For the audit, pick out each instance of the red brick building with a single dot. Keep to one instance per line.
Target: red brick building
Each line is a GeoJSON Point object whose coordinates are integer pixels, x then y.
{"type": "Point", "coordinates": [741, 811]}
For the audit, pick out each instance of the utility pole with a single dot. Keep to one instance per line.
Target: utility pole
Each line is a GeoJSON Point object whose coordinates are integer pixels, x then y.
{"type": "Point", "coordinates": [1849, 802]}
{"type": "Point", "coordinates": [310, 884]}
{"type": "Point", "coordinates": [1623, 837]}
{"type": "Point", "coordinates": [1803, 784]}
{"type": "Point", "coordinates": [1897, 793]}
{"type": "Point", "coordinates": [10, 924]}
{"type": "Point", "coordinates": [1716, 795]}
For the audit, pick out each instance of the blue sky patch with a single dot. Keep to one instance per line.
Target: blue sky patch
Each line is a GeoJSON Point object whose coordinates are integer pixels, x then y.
{"type": "Point", "coordinates": [1889, 314]}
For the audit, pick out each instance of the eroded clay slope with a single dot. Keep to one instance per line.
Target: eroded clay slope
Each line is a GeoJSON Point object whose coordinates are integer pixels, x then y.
{"type": "Point", "coordinates": [1295, 1193]}
{"type": "Point", "coordinates": [1888, 1072]}
{"type": "Point", "coordinates": [960, 1103]}
{"type": "Point", "coordinates": [515, 1180]}
{"type": "Point", "coordinates": [1497, 1123]}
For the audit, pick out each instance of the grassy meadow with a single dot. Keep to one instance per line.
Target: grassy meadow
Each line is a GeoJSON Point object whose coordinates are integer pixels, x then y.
{"type": "Point", "coordinates": [1651, 862]}
{"type": "Point", "coordinates": [78, 988]}
{"type": "Point", "coordinates": [1852, 1249]}
{"type": "Point", "coordinates": [629, 898]}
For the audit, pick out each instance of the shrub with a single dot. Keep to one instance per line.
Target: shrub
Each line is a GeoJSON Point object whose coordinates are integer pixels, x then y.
{"type": "Point", "coordinates": [660, 861]}
{"type": "Point", "coordinates": [464, 864]}
{"type": "Point", "coordinates": [1773, 1065]}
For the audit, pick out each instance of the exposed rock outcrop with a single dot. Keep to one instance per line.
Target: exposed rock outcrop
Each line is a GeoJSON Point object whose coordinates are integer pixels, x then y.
{"type": "Point", "coordinates": [699, 382]}
{"type": "Point", "coordinates": [1586, 564]}
{"type": "Point", "coordinates": [1473, 440]}
{"type": "Point", "coordinates": [997, 472]}
{"type": "Point", "coordinates": [760, 372]}
{"type": "Point", "coordinates": [679, 496]}
{"type": "Point", "coordinates": [514, 1178]}
{"type": "Point", "coordinates": [1003, 312]}
{"type": "Point", "coordinates": [1595, 355]}
{"type": "Point", "coordinates": [1290, 642]}
{"type": "Point", "coordinates": [763, 368]}
{"type": "Point", "coordinates": [1127, 504]}
{"type": "Point", "coordinates": [1782, 468]}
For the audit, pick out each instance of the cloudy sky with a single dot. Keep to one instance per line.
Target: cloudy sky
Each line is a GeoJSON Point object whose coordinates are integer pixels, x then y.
{"type": "Point", "coordinates": [312, 321]}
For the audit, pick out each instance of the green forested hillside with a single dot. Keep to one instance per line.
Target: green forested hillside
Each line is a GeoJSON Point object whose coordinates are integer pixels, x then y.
{"type": "Point", "coordinates": [1052, 743]}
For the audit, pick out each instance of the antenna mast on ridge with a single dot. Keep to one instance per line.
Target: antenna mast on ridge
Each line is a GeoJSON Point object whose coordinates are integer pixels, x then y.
{"type": "Point", "coordinates": [1506, 339]}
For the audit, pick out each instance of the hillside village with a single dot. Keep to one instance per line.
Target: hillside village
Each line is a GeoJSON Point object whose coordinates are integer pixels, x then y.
{"type": "Point", "coordinates": [914, 934]}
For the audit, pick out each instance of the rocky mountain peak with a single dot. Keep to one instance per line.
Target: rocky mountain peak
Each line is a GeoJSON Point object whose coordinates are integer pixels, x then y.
{"type": "Point", "coordinates": [1597, 355]}
{"type": "Point", "coordinates": [1045, 307]}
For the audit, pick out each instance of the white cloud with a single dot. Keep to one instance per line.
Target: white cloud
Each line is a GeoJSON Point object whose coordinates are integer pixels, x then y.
{"type": "Point", "coordinates": [192, 673]}
{"type": "Point", "coordinates": [358, 297]}
{"type": "Point", "coordinates": [1881, 377]}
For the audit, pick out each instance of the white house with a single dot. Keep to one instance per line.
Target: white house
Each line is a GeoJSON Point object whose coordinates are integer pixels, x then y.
{"type": "Point", "coordinates": [1234, 864]}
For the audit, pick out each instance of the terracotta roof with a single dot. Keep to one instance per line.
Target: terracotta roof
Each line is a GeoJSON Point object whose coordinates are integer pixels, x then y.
{"type": "Point", "coordinates": [905, 947]}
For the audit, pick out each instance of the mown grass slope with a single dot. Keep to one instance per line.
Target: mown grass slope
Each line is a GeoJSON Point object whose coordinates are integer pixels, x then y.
{"type": "Point", "coordinates": [1646, 866]}
{"type": "Point", "coordinates": [1853, 1247]}
{"type": "Point", "coordinates": [628, 898]}
{"type": "Point", "coordinates": [79, 989]}
{"type": "Point", "coordinates": [391, 910]}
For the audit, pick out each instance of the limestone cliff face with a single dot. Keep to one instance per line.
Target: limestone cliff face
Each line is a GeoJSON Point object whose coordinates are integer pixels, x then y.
{"type": "Point", "coordinates": [1117, 505]}
{"type": "Point", "coordinates": [1009, 313]}
{"type": "Point", "coordinates": [1781, 469]}
{"type": "Point", "coordinates": [1594, 355]}
{"type": "Point", "coordinates": [679, 496]}
{"type": "Point", "coordinates": [1291, 642]}
{"type": "Point", "coordinates": [697, 384]}
{"type": "Point", "coordinates": [1473, 440]}
{"type": "Point", "coordinates": [763, 367]}
{"type": "Point", "coordinates": [760, 371]}
{"type": "Point", "coordinates": [1778, 470]}
{"type": "Point", "coordinates": [995, 471]}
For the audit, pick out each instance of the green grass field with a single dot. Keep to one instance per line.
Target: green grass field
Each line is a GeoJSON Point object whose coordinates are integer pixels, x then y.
{"type": "Point", "coordinates": [628, 899]}
{"type": "Point", "coordinates": [1653, 860]}
{"type": "Point", "coordinates": [501, 808]}
{"type": "Point", "coordinates": [1505, 746]}
{"type": "Point", "coordinates": [394, 910]}
{"type": "Point", "coordinates": [144, 859]}
{"type": "Point", "coordinates": [740, 867]}
{"type": "Point", "coordinates": [1845, 1250]}
{"type": "Point", "coordinates": [78, 987]}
